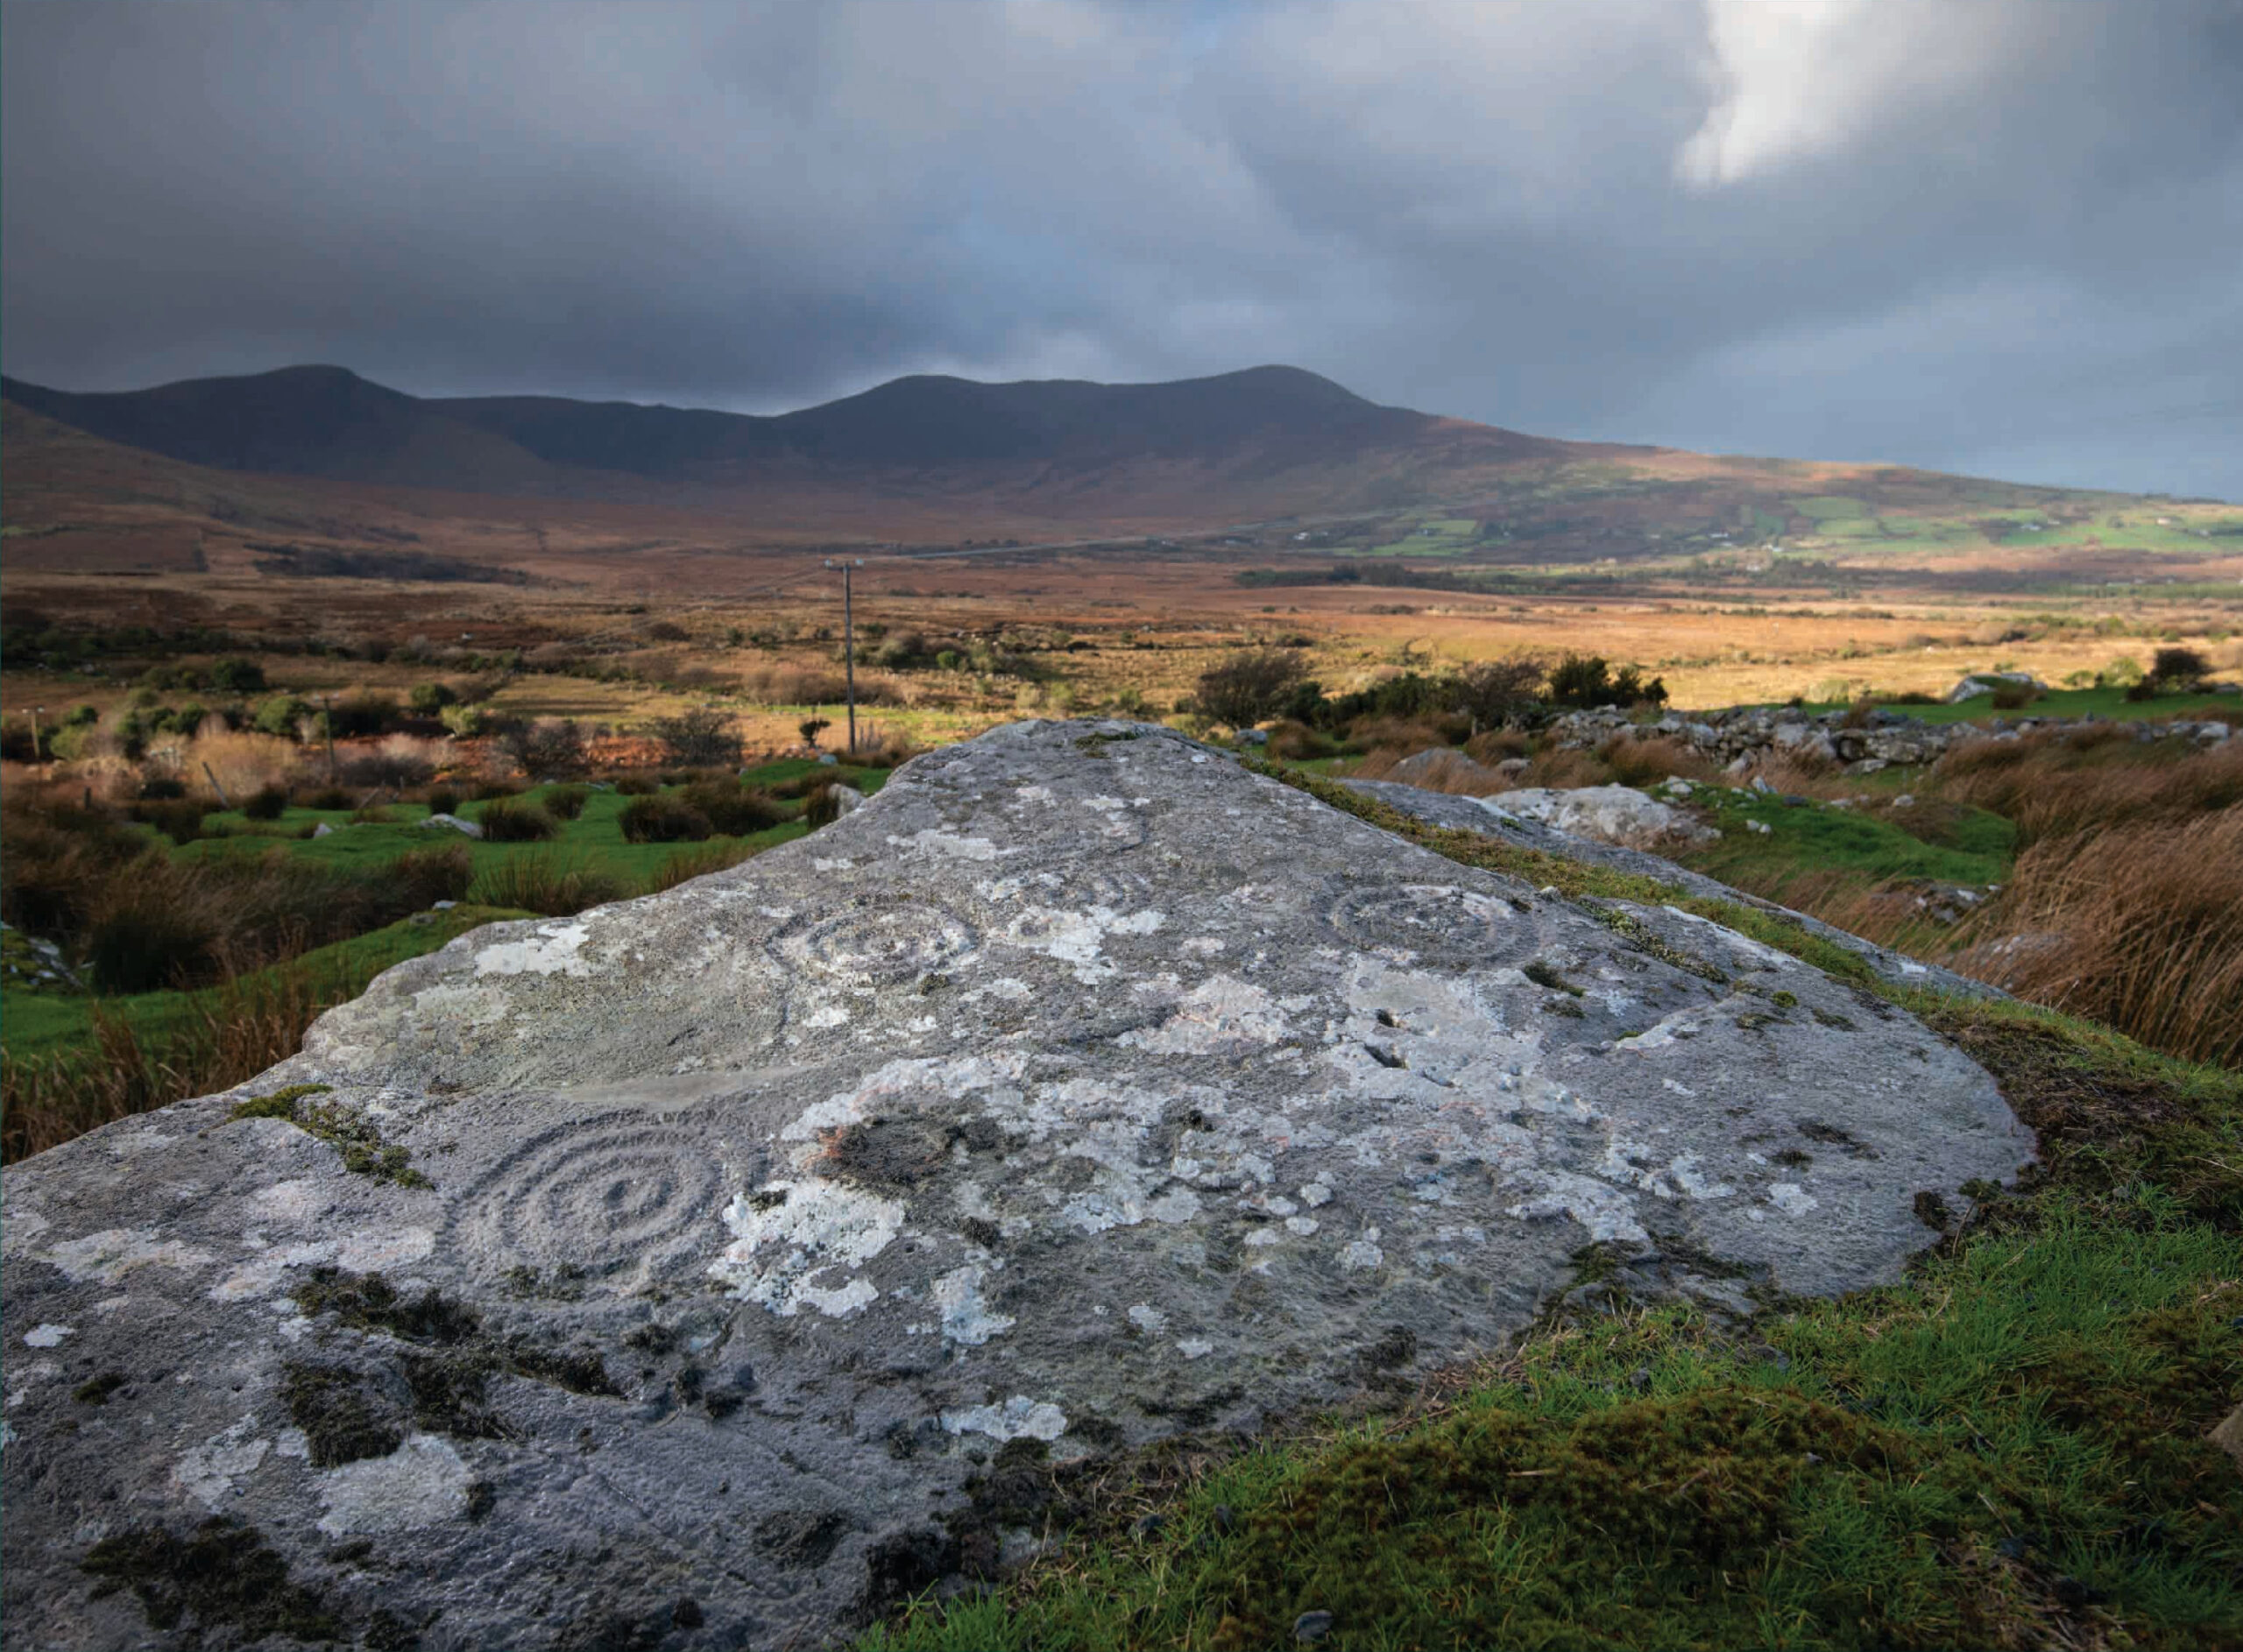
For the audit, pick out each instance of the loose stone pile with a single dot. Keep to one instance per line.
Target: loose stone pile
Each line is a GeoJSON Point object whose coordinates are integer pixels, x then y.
{"type": "Point", "coordinates": [688, 1272]}
{"type": "Point", "coordinates": [1744, 735]}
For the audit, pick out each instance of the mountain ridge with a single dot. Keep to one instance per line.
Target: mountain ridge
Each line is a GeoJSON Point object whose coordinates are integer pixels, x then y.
{"type": "Point", "coordinates": [330, 422]}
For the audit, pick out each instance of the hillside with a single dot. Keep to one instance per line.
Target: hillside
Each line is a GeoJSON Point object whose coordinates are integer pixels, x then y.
{"type": "Point", "coordinates": [948, 435]}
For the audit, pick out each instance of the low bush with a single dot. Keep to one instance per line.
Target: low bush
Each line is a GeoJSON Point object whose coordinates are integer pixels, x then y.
{"type": "Point", "coordinates": [688, 864]}
{"type": "Point", "coordinates": [423, 877]}
{"type": "Point", "coordinates": [704, 738]}
{"type": "Point", "coordinates": [662, 819]}
{"type": "Point", "coordinates": [637, 786]}
{"type": "Point", "coordinates": [553, 888]}
{"type": "Point", "coordinates": [2015, 696]}
{"type": "Point", "coordinates": [1635, 762]}
{"type": "Point", "coordinates": [490, 788]}
{"type": "Point", "coordinates": [1295, 742]}
{"type": "Point", "coordinates": [443, 801]}
{"type": "Point", "coordinates": [565, 802]}
{"type": "Point", "coordinates": [731, 809]}
{"type": "Point", "coordinates": [179, 819]}
{"type": "Point", "coordinates": [267, 803]}
{"type": "Point", "coordinates": [508, 822]}
{"type": "Point", "coordinates": [1244, 690]}
{"type": "Point", "coordinates": [331, 797]}
{"type": "Point", "coordinates": [1397, 735]}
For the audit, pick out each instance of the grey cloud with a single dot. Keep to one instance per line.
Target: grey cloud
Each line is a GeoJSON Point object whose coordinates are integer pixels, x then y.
{"type": "Point", "coordinates": [1487, 210]}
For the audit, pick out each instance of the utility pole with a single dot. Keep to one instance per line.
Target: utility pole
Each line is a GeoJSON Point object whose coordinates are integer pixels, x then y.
{"type": "Point", "coordinates": [38, 755]}
{"type": "Point", "coordinates": [849, 643]}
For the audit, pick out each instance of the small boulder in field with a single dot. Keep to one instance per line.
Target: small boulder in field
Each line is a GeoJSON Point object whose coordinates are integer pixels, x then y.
{"type": "Point", "coordinates": [1610, 815]}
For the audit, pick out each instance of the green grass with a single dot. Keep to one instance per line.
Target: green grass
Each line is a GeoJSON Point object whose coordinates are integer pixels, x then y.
{"type": "Point", "coordinates": [2005, 1449]}
{"type": "Point", "coordinates": [1973, 847]}
{"type": "Point", "coordinates": [2109, 704]}
{"type": "Point", "coordinates": [39, 1025]}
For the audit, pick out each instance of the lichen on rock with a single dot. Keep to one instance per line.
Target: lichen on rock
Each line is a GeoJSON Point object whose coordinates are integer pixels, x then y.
{"type": "Point", "coordinates": [1080, 1088]}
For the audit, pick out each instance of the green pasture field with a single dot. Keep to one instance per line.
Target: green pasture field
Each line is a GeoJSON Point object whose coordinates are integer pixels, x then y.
{"type": "Point", "coordinates": [44, 1024]}
{"type": "Point", "coordinates": [39, 1023]}
{"type": "Point", "coordinates": [1949, 845]}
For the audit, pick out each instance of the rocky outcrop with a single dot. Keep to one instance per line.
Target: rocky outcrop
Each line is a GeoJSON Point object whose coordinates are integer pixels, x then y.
{"type": "Point", "coordinates": [700, 1271]}
{"type": "Point", "coordinates": [1490, 816]}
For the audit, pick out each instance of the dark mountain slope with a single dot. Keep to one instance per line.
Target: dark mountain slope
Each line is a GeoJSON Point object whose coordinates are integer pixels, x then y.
{"type": "Point", "coordinates": [312, 421]}
{"type": "Point", "coordinates": [954, 432]}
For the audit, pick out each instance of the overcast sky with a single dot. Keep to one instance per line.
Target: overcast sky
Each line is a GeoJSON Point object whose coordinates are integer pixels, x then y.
{"type": "Point", "coordinates": [2004, 238]}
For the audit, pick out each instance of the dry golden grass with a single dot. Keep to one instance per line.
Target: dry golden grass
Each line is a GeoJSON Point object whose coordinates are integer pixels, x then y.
{"type": "Point", "coordinates": [2060, 783]}
{"type": "Point", "coordinates": [2139, 926]}
{"type": "Point", "coordinates": [233, 1036]}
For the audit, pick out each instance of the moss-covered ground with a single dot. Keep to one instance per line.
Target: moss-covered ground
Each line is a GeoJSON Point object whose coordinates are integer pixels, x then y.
{"type": "Point", "coordinates": [2006, 1449]}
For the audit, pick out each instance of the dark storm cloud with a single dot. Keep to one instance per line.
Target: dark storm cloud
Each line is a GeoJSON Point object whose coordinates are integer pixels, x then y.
{"type": "Point", "coordinates": [1991, 237]}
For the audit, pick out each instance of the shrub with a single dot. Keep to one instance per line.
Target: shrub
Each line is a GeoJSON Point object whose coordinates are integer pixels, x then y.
{"type": "Point", "coordinates": [179, 819]}
{"type": "Point", "coordinates": [428, 699]}
{"type": "Point", "coordinates": [687, 863]}
{"type": "Point", "coordinates": [1295, 742]}
{"type": "Point", "coordinates": [281, 716]}
{"type": "Point", "coordinates": [362, 713]}
{"type": "Point", "coordinates": [443, 801]}
{"type": "Point", "coordinates": [1494, 691]}
{"type": "Point", "coordinates": [2178, 670]}
{"type": "Point", "coordinates": [636, 786]}
{"type": "Point", "coordinates": [266, 802]}
{"type": "Point", "coordinates": [1242, 691]}
{"type": "Point", "coordinates": [465, 722]}
{"type": "Point", "coordinates": [541, 884]}
{"type": "Point", "coordinates": [426, 876]}
{"type": "Point", "coordinates": [2015, 696]}
{"type": "Point", "coordinates": [548, 747]}
{"type": "Point", "coordinates": [515, 823]}
{"type": "Point", "coordinates": [236, 675]}
{"type": "Point", "coordinates": [488, 789]}
{"type": "Point", "coordinates": [659, 819]}
{"type": "Point", "coordinates": [731, 809]}
{"type": "Point", "coordinates": [702, 738]}
{"type": "Point", "coordinates": [564, 802]}
{"type": "Point", "coordinates": [1589, 680]}
{"type": "Point", "coordinates": [330, 797]}
{"type": "Point", "coordinates": [163, 785]}
{"type": "Point", "coordinates": [811, 728]}
{"type": "Point", "coordinates": [1491, 747]}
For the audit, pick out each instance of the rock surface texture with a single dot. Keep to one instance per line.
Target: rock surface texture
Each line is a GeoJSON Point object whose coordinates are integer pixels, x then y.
{"type": "Point", "coordinates": [1608, 814]}
{"type": "Point", "coordinates": [669, 1276]}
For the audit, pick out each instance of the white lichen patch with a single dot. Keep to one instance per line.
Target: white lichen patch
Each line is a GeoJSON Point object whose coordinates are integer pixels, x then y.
{"type": "Point", "coordinates": [1222, 1015]}
{"type": "Point", "coordinates": [1361, 1254]}
{"type": "Point", "coordinates": [791, 1236]}
{"type": "Point", "coordinates": [1077, 937]}
{"type": "Point", "coordinates": [375, 1252]}
{"type": "Point", "coordinates": [420, 1483]}
{"type": "Point", "coordinates": [1606, 1211]}
{"type": "Point", "coordinates": [211, 1471]}
{"type": "Point", "coordinates": [109, 1256]}
{"type": "Point", "coordinates": [967, 1317]}
{"type": "Point", "coordinates": [1018, 1418]}
{"type": "Point", "coordinates": [947, 845]}
{"type": "Point", "coordinates": [19, 1229]}
{"type": "Point", "coordinates": [1791, 1198]}
{"type": "Point", "coordinates": [556, 949]}
{"type": "Point", "coordinates": [1195, 1347]}
{"type": "Point", "coordinates": [48, 1336]}
{"type": "Point", "coordinates": [1148, 1318]}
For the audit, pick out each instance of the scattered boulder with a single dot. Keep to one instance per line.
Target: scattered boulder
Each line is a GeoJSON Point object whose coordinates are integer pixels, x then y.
{"type": "Point", "coordinates": [471, 828]}
{"type": "Point", "coordinates": [699, 1270]}
{"type": "Point", "coordinates": [1608, 814]}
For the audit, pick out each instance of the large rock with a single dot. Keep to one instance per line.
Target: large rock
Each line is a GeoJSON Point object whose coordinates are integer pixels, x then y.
{"type": "Point", "coordinates": [1608, 814]}
{"type": "Point", "coordinates": [668, 1275]}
